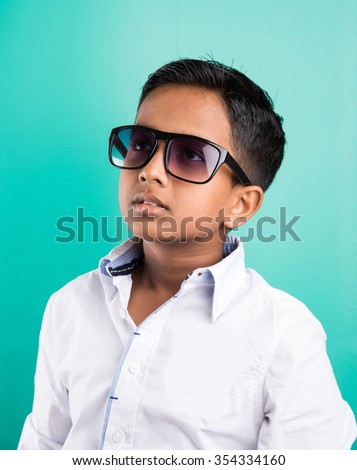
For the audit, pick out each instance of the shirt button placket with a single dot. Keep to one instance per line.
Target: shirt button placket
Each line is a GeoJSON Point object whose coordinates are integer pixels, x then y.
{"type": "Point", "coordinates": [129, 385]}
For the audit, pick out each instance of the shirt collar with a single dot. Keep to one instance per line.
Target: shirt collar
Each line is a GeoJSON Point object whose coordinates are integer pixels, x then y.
{"type": "Point", "coordinates": [226, 276]}
{"type": "Point", "coordinates": [123, 258]}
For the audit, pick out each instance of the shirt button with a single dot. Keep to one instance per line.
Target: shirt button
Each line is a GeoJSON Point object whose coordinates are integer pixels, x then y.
{"type": "Point", "coordinates": [118, 436]}
{"type": "Point", "coordinates": [134, 368]}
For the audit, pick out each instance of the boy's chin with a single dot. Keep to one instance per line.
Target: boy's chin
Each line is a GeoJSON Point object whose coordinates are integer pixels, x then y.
{"type": "Point", "coordinates": [152, 235]}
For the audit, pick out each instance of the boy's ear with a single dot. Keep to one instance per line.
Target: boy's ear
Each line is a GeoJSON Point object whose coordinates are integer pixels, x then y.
{"type": "Point", "coordinates": [245, 202]}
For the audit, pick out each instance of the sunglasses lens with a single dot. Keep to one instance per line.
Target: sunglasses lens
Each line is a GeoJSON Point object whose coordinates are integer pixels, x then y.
{"type": "Point", "coordinates": [192, 159]}
{"type": "Point", "coordinates": [132, 147]}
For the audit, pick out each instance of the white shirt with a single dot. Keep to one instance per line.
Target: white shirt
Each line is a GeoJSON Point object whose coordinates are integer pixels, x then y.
{"type": "Point", "coordinates": [227, 363]}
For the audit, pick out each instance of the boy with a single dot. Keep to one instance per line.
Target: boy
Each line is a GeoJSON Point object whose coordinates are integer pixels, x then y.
{"type": "Point", "coordinates": [172, 343]}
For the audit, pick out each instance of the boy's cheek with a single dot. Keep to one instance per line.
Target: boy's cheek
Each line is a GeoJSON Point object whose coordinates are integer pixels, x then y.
{"type": "Point", "coordinates": [123, 195]}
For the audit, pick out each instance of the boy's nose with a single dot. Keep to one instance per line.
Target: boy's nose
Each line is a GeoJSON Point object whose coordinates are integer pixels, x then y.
{"type": "Point", "coordinates": [155, 170]}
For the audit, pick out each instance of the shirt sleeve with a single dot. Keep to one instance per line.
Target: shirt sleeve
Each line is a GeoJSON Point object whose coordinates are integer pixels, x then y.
{"type": "Point", "coordinates": [302, 403]}
{"type": "Point", "coordinates": [49, 423]}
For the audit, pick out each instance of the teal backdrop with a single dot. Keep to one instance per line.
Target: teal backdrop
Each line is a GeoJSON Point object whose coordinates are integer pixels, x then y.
{"type": "Point", "coordinates": [72, 69]}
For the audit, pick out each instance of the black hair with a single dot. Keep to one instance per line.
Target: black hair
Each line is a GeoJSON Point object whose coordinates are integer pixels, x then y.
{"type": "Point", "coordinates": [258, 136]}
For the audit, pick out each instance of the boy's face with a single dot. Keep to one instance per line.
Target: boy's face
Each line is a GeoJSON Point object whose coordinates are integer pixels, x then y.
{"type": "Point", "coordinates": [190, 210]}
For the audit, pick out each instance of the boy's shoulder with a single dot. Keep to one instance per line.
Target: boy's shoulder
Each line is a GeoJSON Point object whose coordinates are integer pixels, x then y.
{"type": "Point", "coordinates": [94, 288]}
{"type": "Point", "coordinates": [84, 284]}
{"type": "Point", "coordinates": [277, 308]}
{"type": "Point", "coordinates": [81, 295]}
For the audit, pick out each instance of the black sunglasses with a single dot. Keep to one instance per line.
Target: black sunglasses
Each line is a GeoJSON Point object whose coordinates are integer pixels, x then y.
{"type": "Point", "coordinates": [187, 157]}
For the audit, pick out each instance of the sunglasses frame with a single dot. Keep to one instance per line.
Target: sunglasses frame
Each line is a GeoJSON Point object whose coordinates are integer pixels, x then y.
{"type": "Point", "coordinates": [224, 155]}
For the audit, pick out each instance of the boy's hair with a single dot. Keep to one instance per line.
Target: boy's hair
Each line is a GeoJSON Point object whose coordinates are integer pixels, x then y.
{"type": "Point", "coordinates": [258, 136]}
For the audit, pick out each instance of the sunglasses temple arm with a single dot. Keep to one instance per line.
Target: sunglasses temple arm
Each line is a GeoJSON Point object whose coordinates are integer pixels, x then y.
{"type": "Point", "coordinates": [233, 165]}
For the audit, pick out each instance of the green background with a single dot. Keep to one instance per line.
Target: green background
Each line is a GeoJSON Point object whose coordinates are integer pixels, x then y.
{"type": "Point", "coordinates": [72, 69]}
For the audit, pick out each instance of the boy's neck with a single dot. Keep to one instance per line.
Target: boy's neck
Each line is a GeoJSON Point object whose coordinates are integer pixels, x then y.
{"type": "Point", "coordinates": [166, 265]}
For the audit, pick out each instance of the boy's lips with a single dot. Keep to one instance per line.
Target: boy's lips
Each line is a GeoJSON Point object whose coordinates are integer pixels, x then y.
{"type": "Point", "coordinates": [149, 204]}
